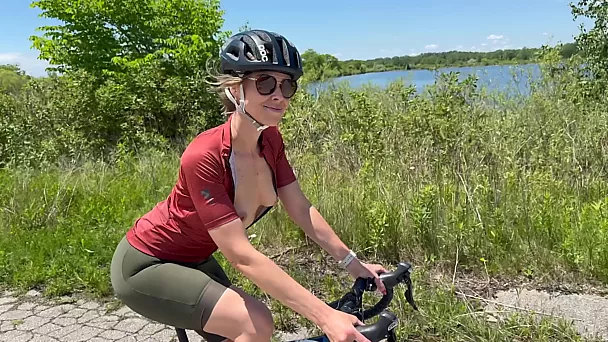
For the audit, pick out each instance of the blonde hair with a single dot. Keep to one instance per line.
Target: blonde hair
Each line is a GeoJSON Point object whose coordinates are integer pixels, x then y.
{"type": "Point", "coordinates": [219, 82]}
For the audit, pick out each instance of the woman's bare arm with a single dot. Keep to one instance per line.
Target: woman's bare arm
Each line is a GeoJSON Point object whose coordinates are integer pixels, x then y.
{"type": "Point", "coordinates": [232, 241]}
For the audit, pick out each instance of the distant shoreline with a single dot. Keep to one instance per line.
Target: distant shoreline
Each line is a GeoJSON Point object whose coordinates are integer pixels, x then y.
{"type": "Point", "coordinates": [435, 67]}
{"type": "Point", "coordinates": [319, 67]}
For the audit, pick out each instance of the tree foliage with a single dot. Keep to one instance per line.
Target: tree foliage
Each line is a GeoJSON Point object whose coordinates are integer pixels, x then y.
{"type": "Point", "coordinates": [320, 66]}
{"type": "Point", "coordinates": [594, 42]}
{"type": "Point", "coordinates": [12, 79]}
{"type": "Point", "coordinates": [106, 36]}
{"type": "Point", "coordinates": [131, 75]}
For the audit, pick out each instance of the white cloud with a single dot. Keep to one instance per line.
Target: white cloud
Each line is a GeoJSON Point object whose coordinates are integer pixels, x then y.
{"type": "Point", "coordinates": [8, 58]}
{"type": "Point", "coordinates": [495, 37]}
{"type": "Point", "coordinates": [431, 46]}
{"type": "Point", "coordinates": [492, 42]}
{"type": "Point", "coordinates": [337, 55]}
{"type": "Point", "coordinates": [27, 62]}
{"type": "Point", "coordinates": [545, 34]}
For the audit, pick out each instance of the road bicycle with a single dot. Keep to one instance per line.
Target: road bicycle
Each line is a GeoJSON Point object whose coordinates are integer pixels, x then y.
{"type": "Point", "coordinates": [384, 329]}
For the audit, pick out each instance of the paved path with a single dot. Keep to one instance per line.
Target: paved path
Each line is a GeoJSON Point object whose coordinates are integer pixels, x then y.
{"type": "Point", "coordinates": [588, 313]}
{"type": "Point", "coordinates": [31, 318]}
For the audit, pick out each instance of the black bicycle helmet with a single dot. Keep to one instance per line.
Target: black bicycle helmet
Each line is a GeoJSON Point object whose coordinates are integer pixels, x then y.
{"type": "Point", "coordinates": [257, 50]}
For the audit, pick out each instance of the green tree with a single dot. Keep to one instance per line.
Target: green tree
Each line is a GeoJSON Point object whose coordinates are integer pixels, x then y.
{"type": "Point", "coordinates": [12, 79]}
{"type": "Point", "coordinates": [133, 73]}
{"type": "Point", "coordinates": [568, 50]}
{"type": "Point", "coordinates": [593, 43]}
{"type": "Point", "coordinates": [107, 36]}
{"type": "Point", "coordinates": [321, 66]}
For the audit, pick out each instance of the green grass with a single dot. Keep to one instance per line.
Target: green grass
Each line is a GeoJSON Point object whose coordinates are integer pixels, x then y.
{"type": "Point", "coordinates": [515, 189]}
{"type": "Point", "coordinates": [59, 227]}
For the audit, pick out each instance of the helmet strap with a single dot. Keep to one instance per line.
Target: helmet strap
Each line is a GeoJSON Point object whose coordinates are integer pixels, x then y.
{"type": "Point", "coordinates": [240, 108]}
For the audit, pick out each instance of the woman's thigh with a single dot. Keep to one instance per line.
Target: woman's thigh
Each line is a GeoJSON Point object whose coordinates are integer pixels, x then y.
{"type": "Point", "coordinates": [168, 293]}
{"type": "Point", "coordinates": [196, 297]}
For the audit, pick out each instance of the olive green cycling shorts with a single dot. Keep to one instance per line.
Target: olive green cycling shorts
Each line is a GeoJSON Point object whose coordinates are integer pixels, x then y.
{"type": "Point", "coordinates": [177, 294]}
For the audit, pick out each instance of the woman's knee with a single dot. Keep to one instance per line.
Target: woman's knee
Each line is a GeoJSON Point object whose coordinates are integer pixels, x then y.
{"type": "Point", "coordinates": [255, 316]}
{"type": "Point", "coordinates": [262, 324]}
{"type": "Point", "coordinates": [236, 308]}
{"type": "Point", "coordinates": [259, 314]}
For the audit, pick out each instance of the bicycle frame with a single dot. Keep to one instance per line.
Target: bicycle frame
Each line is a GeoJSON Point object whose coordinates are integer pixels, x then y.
{"type": "Point", "coordinates": [352, 303]}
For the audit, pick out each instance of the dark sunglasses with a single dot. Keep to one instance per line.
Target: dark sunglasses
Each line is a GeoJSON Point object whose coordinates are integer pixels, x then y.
{"type": "Point", "coordinates": [266, 84]}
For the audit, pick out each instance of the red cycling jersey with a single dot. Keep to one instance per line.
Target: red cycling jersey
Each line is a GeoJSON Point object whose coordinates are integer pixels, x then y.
{"type": "Point", "coordinates": [203, 197]}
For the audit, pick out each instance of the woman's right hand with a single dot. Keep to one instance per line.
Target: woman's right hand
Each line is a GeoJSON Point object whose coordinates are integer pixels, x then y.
{"type": "Point", "coordinates": [340, 327]}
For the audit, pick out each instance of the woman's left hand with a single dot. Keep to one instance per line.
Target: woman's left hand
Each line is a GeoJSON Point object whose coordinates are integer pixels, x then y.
{"type": "Point", "coordinates": [358, 269]}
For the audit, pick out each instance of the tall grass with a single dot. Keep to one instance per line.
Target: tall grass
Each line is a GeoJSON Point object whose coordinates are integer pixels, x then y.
{"type": "Point", "coordinates": [521, 184]}
{"type": "Point", "coordinates": [60, 225]}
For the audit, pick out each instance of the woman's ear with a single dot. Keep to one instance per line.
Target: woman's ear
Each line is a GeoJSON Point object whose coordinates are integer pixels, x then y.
{"type": "Point", "coordinates": [235, 91]}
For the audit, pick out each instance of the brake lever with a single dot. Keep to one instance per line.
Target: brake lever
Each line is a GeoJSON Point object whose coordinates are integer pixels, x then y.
{"type": "Point", "coordinates": [370, 285]}
{"type": "Point", "coordinates": [409, 294]}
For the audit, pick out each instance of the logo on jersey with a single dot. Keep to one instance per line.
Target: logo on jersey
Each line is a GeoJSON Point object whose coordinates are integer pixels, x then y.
{"type": "Point", "coordinates": [207, 195]}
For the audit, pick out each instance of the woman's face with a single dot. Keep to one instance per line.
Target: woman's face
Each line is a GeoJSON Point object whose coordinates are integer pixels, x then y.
{"type": "Point", "coordinates": [265, 104]}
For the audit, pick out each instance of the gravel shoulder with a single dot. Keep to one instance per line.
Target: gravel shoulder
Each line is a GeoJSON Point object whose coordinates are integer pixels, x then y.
{"type": "Point", "coordinates": [580, 302]}
{"type": "Point", "coordinates": [587, 312]}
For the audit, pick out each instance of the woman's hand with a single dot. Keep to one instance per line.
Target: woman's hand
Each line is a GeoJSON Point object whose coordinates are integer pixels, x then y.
{"type": "Point", "coordinates": [360, 269]}
{"type": "Point", "coordinates": [340, 327]}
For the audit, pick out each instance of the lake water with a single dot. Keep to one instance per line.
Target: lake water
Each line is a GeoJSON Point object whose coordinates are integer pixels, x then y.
{"type": "Point", "coordinates": [511, 78]}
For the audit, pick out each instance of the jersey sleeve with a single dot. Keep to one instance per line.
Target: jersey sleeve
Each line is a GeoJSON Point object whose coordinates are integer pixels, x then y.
{"type": "Point", "coordinates": [204, 181]}
{"type": "Point", "coordinates": [285, 174]}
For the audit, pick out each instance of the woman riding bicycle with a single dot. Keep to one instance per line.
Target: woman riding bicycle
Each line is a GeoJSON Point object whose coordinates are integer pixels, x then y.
{"type": "Point", "coordinates": [229, 177]}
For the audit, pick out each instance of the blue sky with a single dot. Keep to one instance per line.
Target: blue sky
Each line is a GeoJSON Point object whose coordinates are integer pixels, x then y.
{"type": "Point", "coordinates": [354, 28]}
